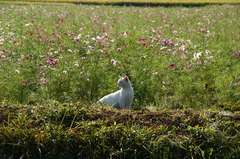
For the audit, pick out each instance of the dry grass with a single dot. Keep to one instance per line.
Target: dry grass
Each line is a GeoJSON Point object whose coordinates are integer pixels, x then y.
{"type": "Point", "coordinates": [75, 131]}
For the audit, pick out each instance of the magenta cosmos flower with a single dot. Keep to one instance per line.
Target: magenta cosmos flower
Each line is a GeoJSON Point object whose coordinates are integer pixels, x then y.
{"type": "Point", "coordinates": [24, 81]}
{"type": "Point", "coordinates": [236, 54]}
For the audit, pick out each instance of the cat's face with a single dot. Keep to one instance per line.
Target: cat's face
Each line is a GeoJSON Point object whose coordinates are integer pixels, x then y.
{"type": "Point", "coordinates": [123, 82]}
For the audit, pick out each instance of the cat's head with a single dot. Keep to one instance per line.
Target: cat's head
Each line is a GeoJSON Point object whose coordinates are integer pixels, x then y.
{"type": "Point", "coordinates": [124, 82]}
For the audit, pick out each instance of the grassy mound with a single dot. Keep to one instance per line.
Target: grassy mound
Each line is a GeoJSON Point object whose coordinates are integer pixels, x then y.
{"type": "Point", "coordinates": [73, 131]}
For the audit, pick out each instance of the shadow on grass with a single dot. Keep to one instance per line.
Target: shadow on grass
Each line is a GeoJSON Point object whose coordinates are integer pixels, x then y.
{"type": "Point", "coordinates": [152, 4]}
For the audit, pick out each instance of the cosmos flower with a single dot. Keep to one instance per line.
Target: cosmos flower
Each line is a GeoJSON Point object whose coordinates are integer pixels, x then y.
{"type": "Point", "coordinates": [24, 81]}
{"type": "Point", "coordinates": [142, 39]}
{"type": "Point", "coordinates": [27, 57]}
{"type": "Point", "coordinates": [2, 56]}
{"type": "Point", "coordinates": [236, 54]}
{"type": "Point", "coordinates": [43, 80]}
{"type": "Point", "coordinates": [114, 62]}
{"type": "Point", "coordinates": [160, 53]}
{"type": "Point", "coordinates": [183, 57]}
{"type": "Point", "coordinates": [197, 55]}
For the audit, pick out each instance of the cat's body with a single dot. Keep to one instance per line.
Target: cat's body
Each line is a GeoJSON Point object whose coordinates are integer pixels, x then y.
{"type": "Point", "coordinates": [123, 97]}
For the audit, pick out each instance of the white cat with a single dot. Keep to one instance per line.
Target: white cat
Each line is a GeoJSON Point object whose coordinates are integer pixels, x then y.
{"type": "Point", "coordinates": [122, 98]}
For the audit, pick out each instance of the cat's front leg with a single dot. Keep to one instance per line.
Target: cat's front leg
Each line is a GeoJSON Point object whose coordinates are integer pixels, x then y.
{"type": "Point", "coordinates": [129, 106]}
{"type": "Point", "coordinates": [121, 103]}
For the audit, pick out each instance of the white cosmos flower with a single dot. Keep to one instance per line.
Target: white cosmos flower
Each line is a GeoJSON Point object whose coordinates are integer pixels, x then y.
{"type": "Point", "coordinates": [196, 56]}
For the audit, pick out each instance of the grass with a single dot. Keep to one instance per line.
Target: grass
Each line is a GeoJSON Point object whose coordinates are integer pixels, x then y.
{"type": "Point", "coordinates": [56, 62]}
{"type": "Point", "coordinates": [131, 2]}
{"type": "Point", "coordinates": [102, 132]}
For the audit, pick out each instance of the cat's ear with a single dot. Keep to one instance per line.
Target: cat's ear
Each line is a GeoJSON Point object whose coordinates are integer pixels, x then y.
{"type": "Point", "coordinates": [126, 78]}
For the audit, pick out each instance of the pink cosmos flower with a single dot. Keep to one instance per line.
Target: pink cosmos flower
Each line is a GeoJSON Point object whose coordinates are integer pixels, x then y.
{"type": "Point", "coordinates": [142, 39]}
{"type": "Point", "coordinates": [172, 65]}
{"type": "Point", "coordinates": [144, 44]}
{"type": "Point", "coordinates": [203, 31]}
{"type": "Point", "coordinates": [105, 53]}
{"type": "Point", "coordinates": [119, 49]}
{"type": "Point", "coordinates": [2, 56]}
{"type": "Point", "coordinates": [160, 53]}
{"type": "Point", "coordinates": [174, 52]}
{"type": "Point", "coordinates": [164, 41]}
{"type": "Point", "coordinates": [114, 62]}
{"type": "Point", "coordinates": [52, 62]}
{"type": "Point", "coordinates": [183, 57]}
{"type": "Point", "coordinates": [27, 57]}
{"type": "Point", "coordinates": [44, 80]}
{"type": "Point", "coordinates": [24, 81]}
{"type": "Point", "coordinates": [236, 54]}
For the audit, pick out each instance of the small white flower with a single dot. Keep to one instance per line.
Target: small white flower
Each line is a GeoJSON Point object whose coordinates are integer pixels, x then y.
{"type": "Point", "coordinates": [209, 57]}
{"type": "Point", "coordinates": [79, 36]}
{"type": "Point", "coordinates": [207, 52]}
{"type": "Point", "coordinates": [196, 56]}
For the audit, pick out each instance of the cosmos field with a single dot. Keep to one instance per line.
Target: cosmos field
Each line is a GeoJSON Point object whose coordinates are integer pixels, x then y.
{"type": "Point", "coordinates": [56, 61]}
{"type": "Point", "coordinates": [185, 57]}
